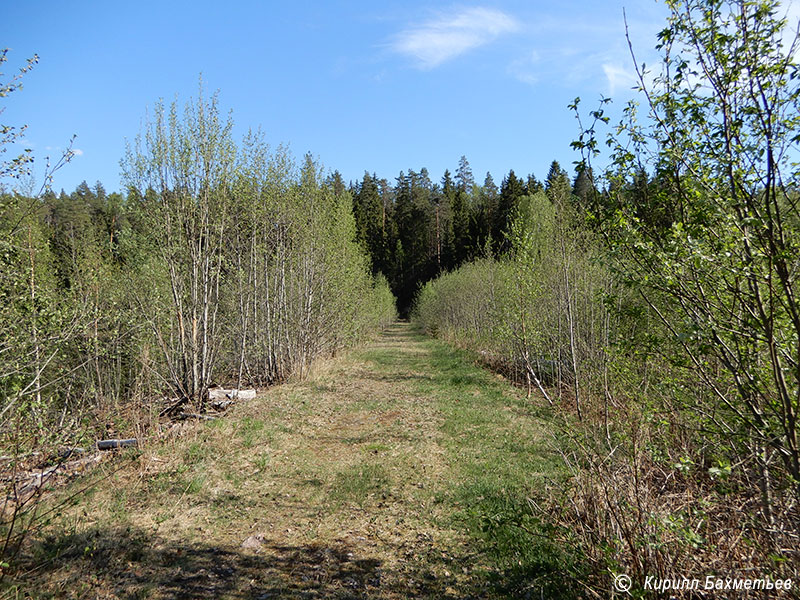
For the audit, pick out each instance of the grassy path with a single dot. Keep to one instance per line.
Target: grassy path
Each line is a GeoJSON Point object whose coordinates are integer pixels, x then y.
{"type": "Point", "coordinates": [400, 470]}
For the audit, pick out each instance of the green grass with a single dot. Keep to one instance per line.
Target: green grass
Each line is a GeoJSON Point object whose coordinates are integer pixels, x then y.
{"type": "Point", "coordinates": [261, 462]}
{"type": "Point", "coordinates": [195, 484]}
{"type": "Point", "coordinates": [196, 453]}
{"type": "Point", "coordinates": [376, 448]}
{"type": "Point", "coordinates": [500, 454]}
{"type": "Point", "coordinates": [360, 483]}
{"type": "Point", "coordinates": [253, 431]}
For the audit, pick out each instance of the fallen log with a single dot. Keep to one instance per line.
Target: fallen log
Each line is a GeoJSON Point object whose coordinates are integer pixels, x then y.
{"type": "Point", "coordinates": [20, 456]}
{"type": "Point", "coordinates": [113, 444]}
{"type": "Point", "coordinates": [26, 485]}
{"type": "Point", "coordinates": [36, 483]}
{"type": "Point", "coordinates": [232, 394]}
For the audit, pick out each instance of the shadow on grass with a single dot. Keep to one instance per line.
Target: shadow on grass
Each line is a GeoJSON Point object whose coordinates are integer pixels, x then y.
{"type": "Point", "coordinates": [130, 563]}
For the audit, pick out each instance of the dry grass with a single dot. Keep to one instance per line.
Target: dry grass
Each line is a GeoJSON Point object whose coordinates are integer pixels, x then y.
{"type": "Point", "coordinates": [353, 484]}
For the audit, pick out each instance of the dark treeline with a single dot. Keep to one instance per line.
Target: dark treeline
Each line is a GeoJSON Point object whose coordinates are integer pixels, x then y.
{"type": "Point", "coordinates": [415, 228]}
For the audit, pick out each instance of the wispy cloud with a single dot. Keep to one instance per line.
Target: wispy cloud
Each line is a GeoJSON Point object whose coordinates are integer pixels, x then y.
{"type": "Point", "coordinates": [619, 78]}
{"type": "Point", "coordinates": [592, 51]}
{"type": "Point", "coordinates": [527, 68]}
{"type": "Point", "coordinates": [439, 40]}
{"type": "Point", "coordinates": [77, 152]}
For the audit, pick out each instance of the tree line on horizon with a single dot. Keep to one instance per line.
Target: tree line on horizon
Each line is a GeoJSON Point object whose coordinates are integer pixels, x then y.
{"type": "Point", "coordinates": [411, 230]}
{"type": "Point", "coordinates": [415, 229]}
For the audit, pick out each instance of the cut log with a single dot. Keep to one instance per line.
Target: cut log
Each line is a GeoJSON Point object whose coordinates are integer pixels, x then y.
{"type": "Point", "coordinates": [232, 394]}
{"type": "Point", "coordinates": [112, 444]}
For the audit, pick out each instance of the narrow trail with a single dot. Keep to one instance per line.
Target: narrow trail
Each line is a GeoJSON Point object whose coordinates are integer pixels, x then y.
{"type": "Point", "coordinates": [361, 482]}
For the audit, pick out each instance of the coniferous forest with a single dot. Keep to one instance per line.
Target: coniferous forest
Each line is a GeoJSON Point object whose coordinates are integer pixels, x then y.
{"type": "Point", "coordinates": [644, 305]}
{"type": "Point", "coordinates": [414, 229]}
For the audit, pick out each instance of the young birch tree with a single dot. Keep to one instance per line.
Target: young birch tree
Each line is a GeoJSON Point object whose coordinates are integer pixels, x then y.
{"type": "Point", "coordinates": [718, 261]}
{"type": "Point", "coordinates": [182, 168]}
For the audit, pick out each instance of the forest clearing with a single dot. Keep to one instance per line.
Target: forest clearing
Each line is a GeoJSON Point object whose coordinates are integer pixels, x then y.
{"type": "Point", "coordinates": [371, 479]}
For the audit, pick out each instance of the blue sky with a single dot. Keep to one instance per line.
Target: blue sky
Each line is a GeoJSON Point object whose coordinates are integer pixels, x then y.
{"type": "Point", "coordinates": [370, 86]}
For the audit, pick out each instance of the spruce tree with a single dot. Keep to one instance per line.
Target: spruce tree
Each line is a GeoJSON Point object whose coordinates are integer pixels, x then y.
{"type": "Point", "coordinates": [464, 179]}
{"type": "Point", "coordinates": [557, 185]}
{"type": "Point", "coordinates": [511, 190]}
{"type": "Point", "coordinates": [534, 185]}
{"type": "Point", "coordinates": [583, 188]}
{"type": "Point", "coordinates": [485, 211]}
